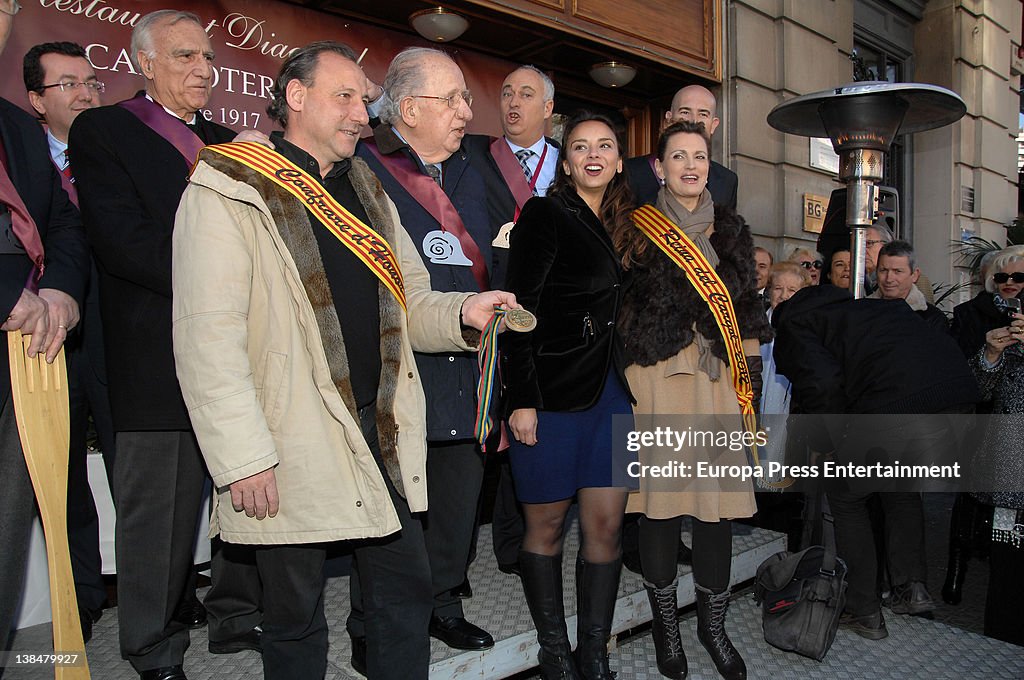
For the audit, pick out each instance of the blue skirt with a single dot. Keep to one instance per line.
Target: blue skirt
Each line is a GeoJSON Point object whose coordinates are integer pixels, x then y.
{"type": "Point", "coordinates": [573, 449]}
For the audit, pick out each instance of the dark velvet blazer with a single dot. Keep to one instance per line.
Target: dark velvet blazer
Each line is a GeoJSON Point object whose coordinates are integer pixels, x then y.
{"type": "Point", "coordinates": [130, 181]}
{"type": "Point", "coordinates": [563, 268]}
{"type": "Point", "coordinates": [722, 182]}
{"type": "Point", "coordinates": [60, 228]}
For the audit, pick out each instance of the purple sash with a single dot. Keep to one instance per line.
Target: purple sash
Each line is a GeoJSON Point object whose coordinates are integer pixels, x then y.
{"type": "Point", "coordinates": [512, 172]}
{"type": "Point", "coordinates": [171, 128]}
{"type": "Point", "coordinates": [425, 191]}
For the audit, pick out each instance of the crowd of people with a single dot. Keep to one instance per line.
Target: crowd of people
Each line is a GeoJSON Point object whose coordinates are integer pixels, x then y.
{"type": "Point", "coordinates": [298, 317]}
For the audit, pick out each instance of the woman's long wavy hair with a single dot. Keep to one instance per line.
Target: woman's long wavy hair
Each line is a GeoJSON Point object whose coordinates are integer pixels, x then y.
{"type": "Point", "coordinates": [618, 202]}
{"type": "Point", "coordinates": [629, 241]}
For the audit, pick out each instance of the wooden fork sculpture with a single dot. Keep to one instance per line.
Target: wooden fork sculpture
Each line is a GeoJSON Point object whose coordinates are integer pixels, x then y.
{"type": "Point", "coordinates": [40, 392]}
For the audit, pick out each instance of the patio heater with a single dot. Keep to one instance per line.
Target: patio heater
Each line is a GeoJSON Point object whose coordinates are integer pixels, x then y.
{"type": "Point", "coordinates": [862, 119]}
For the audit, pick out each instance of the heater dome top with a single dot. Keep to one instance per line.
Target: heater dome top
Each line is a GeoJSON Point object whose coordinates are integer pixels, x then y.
{"type": "Point", "coordinates": [926, 107]}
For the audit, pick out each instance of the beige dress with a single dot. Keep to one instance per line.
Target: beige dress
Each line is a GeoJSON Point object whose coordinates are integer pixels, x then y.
{"type": "Point", "coordinates": [676, 387]}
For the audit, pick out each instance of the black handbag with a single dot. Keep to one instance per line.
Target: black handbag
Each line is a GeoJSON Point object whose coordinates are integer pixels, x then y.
{"type": "Point", "coordinates": [802, 596]}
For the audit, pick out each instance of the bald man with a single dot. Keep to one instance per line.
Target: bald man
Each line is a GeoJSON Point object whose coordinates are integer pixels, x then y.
{"type": "Point", "coordinates": [697, 104]}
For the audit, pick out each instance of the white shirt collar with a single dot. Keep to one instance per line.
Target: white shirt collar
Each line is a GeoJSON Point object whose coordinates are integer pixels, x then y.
{"type": "Point", "coordinates": [190, 121]}
{"type": "Point", "coordinates": [537, 147]}
{"type": "Point", "coordinates": [57, 148]}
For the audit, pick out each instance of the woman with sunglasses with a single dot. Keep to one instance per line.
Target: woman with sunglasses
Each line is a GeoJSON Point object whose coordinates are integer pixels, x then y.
{"type": "Point", "coordinates": [811, 260]}
{"type": "Point", "coordinates": [970, 522]}
{"type": "Point", "coordinates": [564, 382]}
{"type": "Point", "coordinates": [998, 465]}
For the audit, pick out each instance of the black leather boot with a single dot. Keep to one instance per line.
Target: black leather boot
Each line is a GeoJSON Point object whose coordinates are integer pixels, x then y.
{"type": "Point", "coordinates": [981, 519]}
{"type": "Point", "coordinates": [711, 609]}
{"type": "Point", "coordinates": [542, 583]}
{"type": "Point", "coordinates": [597, 586]}
{"type": "Point", "coordinates": [956, 572]}
{"type": "Point", "coordinates": [961, 530]}
{"type": "Point", "coordinates": [665, 629]}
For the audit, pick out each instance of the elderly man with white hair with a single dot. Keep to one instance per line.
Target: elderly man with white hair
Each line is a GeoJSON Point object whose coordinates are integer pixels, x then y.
{"type": "Point", "coordinates": [131, 163]}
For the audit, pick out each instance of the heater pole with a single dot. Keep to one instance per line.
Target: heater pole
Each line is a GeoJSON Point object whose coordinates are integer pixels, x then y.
{"type": "Point", "coordinates": [861, 169]}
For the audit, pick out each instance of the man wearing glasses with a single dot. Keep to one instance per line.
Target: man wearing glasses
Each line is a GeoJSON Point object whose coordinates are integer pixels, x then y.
{"type": "Point", "coordinates": [44, 264]}
{"type": "Point", "coordinates": [61, 83]}
{"type": "Point", "coordinates": [417, 153]}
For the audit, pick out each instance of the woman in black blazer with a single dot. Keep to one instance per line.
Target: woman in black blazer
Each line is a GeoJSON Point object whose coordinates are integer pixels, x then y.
{"type": "Point", "coordinates": [564, 383]}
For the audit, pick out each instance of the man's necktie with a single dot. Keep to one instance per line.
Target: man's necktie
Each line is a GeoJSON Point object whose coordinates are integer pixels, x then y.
{"type": "Point", "coordinates": [433, 171]}
{"type": "Point", "coordinates": [524, 160]}
{"type": "Point", "coordinates": [66, 169]}
{"type": "Point", "coordinates": [22, 224]}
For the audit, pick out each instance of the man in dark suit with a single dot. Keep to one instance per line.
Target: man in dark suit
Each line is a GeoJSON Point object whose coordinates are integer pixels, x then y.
{"type": "Point", "coordinates": [441, 198]}
{"type": "Point", "coordinates": [131, 166]}
{"type": "Point", "coordinates": [697, 104]}
{"type": "Point", "coordinates": [61, 83]}
{"type": "Point", "coordinates": [39, 226]}
{"type": "Point", "coordinates": [527, 102]}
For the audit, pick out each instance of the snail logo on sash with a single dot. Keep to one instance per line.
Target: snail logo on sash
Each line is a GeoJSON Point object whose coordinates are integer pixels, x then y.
{"type": "Point", "coordinates": [443, 247]}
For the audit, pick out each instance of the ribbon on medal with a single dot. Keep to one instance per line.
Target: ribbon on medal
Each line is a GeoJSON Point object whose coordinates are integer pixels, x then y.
{"type": "Point", "coordinates": [487, 359]}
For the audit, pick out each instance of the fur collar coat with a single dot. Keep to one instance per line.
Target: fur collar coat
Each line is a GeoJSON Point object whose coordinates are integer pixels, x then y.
{"type": "Point", "coordinates": [661, 310]}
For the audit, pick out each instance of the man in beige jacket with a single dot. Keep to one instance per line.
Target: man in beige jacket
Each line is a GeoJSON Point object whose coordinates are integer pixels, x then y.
{"type": "Point", "coordinates": [295, 360]}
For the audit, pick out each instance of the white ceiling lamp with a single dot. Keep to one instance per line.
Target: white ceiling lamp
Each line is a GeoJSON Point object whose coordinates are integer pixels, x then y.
{"type": "Point", "coordinates": [612, 74]}
{"type": "Point", "coordinates": [438, 24]}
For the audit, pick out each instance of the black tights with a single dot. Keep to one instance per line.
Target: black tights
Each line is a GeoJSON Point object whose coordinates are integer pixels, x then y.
{"type": "Point", "coordinates": [712, 552]}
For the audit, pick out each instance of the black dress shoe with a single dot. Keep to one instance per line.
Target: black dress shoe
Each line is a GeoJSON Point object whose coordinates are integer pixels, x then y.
{"type": "Point", "coordinates": [463, 591]}
{"type": "Point", "coordinates": [510, 568]}
{"type": "Point", "coordinates": [246, 641]}
{"type": "Point", "coordinates": [166, 673]}
{"type": "Point", "coordinates": [458, 633]}
{"type": "Point", "coordinates": [359, 655]}
{"type": "Point", "coordinates": [191, 613]}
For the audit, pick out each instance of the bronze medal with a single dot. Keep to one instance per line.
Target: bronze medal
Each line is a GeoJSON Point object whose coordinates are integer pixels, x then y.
{"type": "Point", "coordinates": [520, 320]}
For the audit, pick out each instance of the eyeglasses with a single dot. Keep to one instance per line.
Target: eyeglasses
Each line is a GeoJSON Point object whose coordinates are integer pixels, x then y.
{"type": "Point", "coordinates": [871, 243]}
{"type": "Point", "coordinates": [96, 86]}
{"type": "Point", "coordinates": [817, 264]}
{"type": "Point", "coordinates": [10, 7]}
{"type": "Point", "coordinates": [452, 101]}
{"type": "Point", "coordinates": [1003, 277]}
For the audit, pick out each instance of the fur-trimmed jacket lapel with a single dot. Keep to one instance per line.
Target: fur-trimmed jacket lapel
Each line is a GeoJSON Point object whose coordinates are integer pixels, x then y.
{"type": "Point", "coordinates": [661, 310]}
{"type": "Point", "coordinates": [295, 228]}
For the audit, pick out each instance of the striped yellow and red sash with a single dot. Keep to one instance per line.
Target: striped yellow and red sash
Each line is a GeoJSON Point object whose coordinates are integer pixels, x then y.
{"type": "Point", "coordinates": [369, 246]}
{"type": "Point", "coordinates": [681, 250]}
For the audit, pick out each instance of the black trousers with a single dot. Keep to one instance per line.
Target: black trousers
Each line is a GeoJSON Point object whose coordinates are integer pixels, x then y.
{"type": "Point", "coordinates": [455, 472]}
{"type": "Point", "coordinates": [234, 603]}
{"type": "Point", "coordinates": [391, 589]}
{"type": "Point", "coordinates": [1005, 600]}
{"type": "Point", "coordinates": [87, 394]}
{"type": "Point", "coordinates": [507, 524]}
{"type": "Point", "coordinates": [855, 543]}
{"type": "Point", "coordinates": [17, 509]}
{"type": "Point", "coordinates": [158, 486]}
{"type": "Point", "coordinates": [281, 589]}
